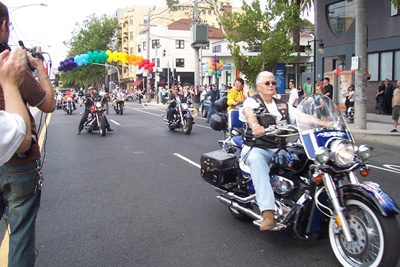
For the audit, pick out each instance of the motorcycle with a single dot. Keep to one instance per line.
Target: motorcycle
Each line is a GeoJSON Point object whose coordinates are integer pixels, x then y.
{"type": "Point", "coordinates": [350, 114]}
{"type": "Point", "coordinates": [317, 192]}
{"type": "Point", "coordinates": [96, 119]}
{"type": "Point", "coordinates": [183, 119]}
{"type": "Point", "coordinates": [68, 106]}
{"type": "Point", "coordinates": [59, 101]}
{"type": "Point", "coordinates": [119, 102]}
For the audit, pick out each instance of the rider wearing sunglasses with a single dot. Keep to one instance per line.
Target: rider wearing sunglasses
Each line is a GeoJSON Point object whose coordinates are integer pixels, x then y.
{"type": "Point", "coordinates": [258, 151]}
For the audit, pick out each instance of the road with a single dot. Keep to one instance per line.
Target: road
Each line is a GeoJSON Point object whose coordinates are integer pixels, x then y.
{"type": "Point", "coordinates": [136, 198]}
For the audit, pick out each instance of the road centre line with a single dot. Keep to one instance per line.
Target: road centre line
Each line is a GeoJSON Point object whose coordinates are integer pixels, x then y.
{"type": "Point", "coordinates": [187, 160]}
{"type": "Point", "coordinates": [42, 134]}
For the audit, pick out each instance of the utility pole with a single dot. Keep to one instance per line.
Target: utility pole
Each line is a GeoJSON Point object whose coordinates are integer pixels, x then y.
{"type": "Point", "coordinates": [148, 55]}
{"type": "Point", "coordinates": [360, 116]}
{"type": "Point", "coordinates": [196, 48]}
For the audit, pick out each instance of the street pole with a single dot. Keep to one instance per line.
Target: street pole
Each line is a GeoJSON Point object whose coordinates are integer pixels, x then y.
{"type": "Point", "coordinates": [196, 49]}
{"type": "Point", "coordinates": [148, 56]}
{"type": "Point", "coordinates": [156, 75]}
{"type": "Point", "coordinates": [360, 115]}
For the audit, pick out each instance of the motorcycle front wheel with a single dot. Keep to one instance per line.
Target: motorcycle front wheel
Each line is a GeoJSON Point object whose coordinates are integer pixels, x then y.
{"type": "Point", "coordinates": [121, 109]}
{"type": "Point", "coordinates": [187, 126]}
{"type": "Point", "coordinates": [102, 126]}
{"type": "Point", "coordinates": [374, 237]}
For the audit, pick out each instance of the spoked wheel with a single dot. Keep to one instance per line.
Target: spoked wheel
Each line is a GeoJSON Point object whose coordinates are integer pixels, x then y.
{"type": "Point", "coordinates": [374, 237]}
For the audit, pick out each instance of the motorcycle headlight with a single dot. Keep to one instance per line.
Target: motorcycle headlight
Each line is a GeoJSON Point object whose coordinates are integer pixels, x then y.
{"type": "Point", "coordinates": [364, 151]}
{"type": "Point", "coordinates": [184, 106]}
{"type": "Point", "coordinates": [98, 105]}
{"type": "Point", "coordinates": [342, 152]}
{"type": "Point", "coordinates": [322, 155]}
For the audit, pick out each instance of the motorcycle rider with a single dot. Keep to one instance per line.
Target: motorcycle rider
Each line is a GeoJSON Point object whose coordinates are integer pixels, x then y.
{"type": "Point", "coordinates": [173, 98]}
{"type": "Point", "coordinates": [258, 154]}
{"type": "Point", "coordinates": [89, 102]}
{"type": "Point", "coordinates": [68, 94]}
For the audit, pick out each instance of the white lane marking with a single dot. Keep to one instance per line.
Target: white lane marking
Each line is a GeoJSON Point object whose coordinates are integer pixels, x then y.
{"type": "Point", "coordinates": [384, 169]}
{"type": "Point", "coordinates": [145, 112]}
{"type": "Point", "coordinates": [392, 167]}
{"type": "Point", "coordinates": [115, 122]}
{"type": "Point", "coordinates": [187, 160]}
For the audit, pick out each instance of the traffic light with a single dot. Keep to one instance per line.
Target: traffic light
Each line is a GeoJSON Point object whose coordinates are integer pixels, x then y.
{"type": "Point", "coordinates": [164, 52]}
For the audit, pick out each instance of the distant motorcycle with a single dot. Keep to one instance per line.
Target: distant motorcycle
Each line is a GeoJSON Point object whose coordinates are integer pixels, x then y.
{"type": "Point", "coordinates": [59, 102]}
{"type": "Point", "coordinates": [68, 106]}
{"type": "Point", "coordinates": [350, 114]}
{"type": "Point", "coordinates": [119, 103]}
{"type": "Point", "coordinates": [96, 119]}
{"type": "Point", "coordinates": [183, 119]}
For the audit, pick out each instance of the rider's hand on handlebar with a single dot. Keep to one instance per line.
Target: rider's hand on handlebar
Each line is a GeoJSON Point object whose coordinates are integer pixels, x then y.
{"type": "Point", "coordinates": [258, 130]}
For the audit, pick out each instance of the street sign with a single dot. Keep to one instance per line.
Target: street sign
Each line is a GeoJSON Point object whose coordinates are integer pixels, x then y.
{"type": "Point", "coordinates": [354, 63]}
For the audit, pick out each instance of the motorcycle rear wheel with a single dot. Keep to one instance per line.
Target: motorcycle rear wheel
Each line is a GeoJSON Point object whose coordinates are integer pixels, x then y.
{"type": "Point", "coordinates": [374, 237]}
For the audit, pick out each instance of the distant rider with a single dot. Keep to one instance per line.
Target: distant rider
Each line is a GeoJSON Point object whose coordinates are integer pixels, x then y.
{"type": "Point", "coordinates": [174, 97]}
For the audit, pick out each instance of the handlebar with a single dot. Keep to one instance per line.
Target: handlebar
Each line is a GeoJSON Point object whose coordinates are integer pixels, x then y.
{"type": "Point", "coordinates": [278, 131]}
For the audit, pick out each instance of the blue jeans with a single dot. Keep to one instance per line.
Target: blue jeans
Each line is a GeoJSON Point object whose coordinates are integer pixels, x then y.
{"type": "Point", "coordinates": [18, 184]}
{"type": "Point", "coordinates": [258, 160]}
{"type": "Point", "coordinates": [211, 111]}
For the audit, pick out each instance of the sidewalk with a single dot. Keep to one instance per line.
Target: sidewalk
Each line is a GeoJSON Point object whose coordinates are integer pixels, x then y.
{"type": "Point", "coordinates": [378, 129]}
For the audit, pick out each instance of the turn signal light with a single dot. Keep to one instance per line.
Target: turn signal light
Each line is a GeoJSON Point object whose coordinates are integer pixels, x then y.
{"type": "Point", "coordinates": [339, 222]}
{"type": "Point", "coordinates": [318, 178]}
{"type": "Point", "coordinates": [364, 172]}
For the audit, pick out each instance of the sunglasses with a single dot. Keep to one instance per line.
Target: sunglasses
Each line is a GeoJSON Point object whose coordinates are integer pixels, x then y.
{"type": "Point", "coordinates": [268, 83]}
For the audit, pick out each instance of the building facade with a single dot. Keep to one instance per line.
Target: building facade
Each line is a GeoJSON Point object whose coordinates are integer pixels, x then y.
{"type": "Point", "coordinates": [335, 25]}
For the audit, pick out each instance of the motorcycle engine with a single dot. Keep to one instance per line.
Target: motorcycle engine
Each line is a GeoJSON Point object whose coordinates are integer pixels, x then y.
{"type": "Point", "coordinates": [281, 185]}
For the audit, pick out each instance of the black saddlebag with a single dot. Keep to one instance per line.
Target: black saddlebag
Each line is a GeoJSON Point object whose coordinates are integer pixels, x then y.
{"type": "Point", "coordinates": [219, 169]}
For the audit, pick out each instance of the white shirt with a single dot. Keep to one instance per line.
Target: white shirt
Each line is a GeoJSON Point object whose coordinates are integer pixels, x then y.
{"type": "Point", "coordinates": [294, 97]}
{"type": "Point", "coordinates": [12, 133]}
{"type": "Point", "coordinates": [272, 109]}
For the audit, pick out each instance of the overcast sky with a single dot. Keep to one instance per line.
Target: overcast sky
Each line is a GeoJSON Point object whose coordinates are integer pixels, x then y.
{"type": "Point", "coordinates": [48, 26]}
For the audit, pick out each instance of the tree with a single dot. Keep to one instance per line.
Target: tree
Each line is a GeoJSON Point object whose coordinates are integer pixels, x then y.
{"type": "Point", "coordinates": [267, 31]}
{"type": "Point", "coordinates": [95, 34]}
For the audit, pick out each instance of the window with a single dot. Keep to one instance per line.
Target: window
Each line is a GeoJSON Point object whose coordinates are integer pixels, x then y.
{"type": "Point", "coordinates": [373, 60]}
{"type": "Point", "coordinates": [180, 44]}
{"type": "Point", "coordinates": [144, 46]}
{"type": "Point", "coordinates": [158, 62]}
{"type": "Point", "coordinates": [139, 49]}
{"type": "Point", "coordinates": [131, 50]}
{"type": "Point", "coordinates": [397, 65]}
{"type": "Point", "coordinates": [155, 43]}
{"type": "Point", "coordinates": [130, 20]}
{"type": "Point", "coordinates": [180, 63]}
{"type": "Point", "coordinates": [341, 16]}
{"type": "Point", "coordinates": [386, 65]}
{"type": "Point", "coordinates": [395, 10]}
{"type": "Point", "coordinates": [131, 35]}
{"type": "Point", "coordinates": [216, 49]}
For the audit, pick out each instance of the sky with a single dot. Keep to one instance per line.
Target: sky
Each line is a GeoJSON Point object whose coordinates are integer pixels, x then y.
{"type": "Point", "coordinates": [49, 26]}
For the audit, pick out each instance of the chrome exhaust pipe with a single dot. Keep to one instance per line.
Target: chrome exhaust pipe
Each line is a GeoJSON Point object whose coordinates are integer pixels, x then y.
{"type": "Point", "coordinates": [237, 206]}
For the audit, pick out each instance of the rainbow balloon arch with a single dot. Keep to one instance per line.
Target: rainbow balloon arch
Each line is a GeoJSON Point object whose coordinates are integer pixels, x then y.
{"type": "Point", "coordinates": [100, 57]}
{"type": "Point", "coordinates": [214, 67]}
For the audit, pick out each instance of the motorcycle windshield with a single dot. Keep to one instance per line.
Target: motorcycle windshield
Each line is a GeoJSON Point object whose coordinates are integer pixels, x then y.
{"type": "Point", "coordinates": [319, 122]}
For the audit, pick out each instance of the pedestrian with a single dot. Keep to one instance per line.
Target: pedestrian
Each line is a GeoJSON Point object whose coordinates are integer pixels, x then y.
{"type": "Point", "coordinates": [294, 94]}
{"type": "Point", "coordinates": [380, 106]}
{"type": "Point", "coordinates": [396, 107]}
{"type": "Point", "coordinates": [349, 102]}
{"type": "Point", "coordinates": [214, 93]}
{"type": "Point", "coordinates": [387, 97]}
{"type": "Point", "coordinates": [307, 87]}
{"type": "Point", "coordinates": [196, 93]}
{"type": "Point", "coordinates": [22, 192]}
{"type": "Point", "coordinates": [328, 88]}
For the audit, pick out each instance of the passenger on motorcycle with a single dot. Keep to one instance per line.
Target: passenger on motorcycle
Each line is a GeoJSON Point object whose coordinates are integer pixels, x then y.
{"type": "Point", "coordinates": [89, 102]}
{"type": "Point", "coordinates": [173, 98]}
{"type": "Point", "coordinates": [258, 152]}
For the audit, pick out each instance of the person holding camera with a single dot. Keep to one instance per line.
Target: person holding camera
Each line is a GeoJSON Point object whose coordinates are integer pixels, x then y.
{"type": "Point", "coordinates": [22, 193]}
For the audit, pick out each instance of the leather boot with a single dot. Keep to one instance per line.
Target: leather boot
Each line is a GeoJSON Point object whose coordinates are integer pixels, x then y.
{"type": "Point", "coordinates": [268, 220]}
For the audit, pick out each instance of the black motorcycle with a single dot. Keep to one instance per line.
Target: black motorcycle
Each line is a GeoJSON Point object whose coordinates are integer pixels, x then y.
{"type": "Point", "coordinates": [183, 119]}
{"type": "Point", "coordinates": [119, 103]}
{"type": "Point", "coordinates": [96, 119]}
{"type": "Point", "coordinates": [317, 191]}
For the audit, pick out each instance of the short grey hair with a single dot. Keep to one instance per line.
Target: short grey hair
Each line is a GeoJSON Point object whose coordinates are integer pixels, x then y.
{"type": "Point", "coordinates": [264, 75]}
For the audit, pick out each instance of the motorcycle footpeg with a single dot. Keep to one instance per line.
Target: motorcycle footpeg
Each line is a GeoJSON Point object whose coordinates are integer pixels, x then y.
{"type": "Point", "coordinates": [277, 227]}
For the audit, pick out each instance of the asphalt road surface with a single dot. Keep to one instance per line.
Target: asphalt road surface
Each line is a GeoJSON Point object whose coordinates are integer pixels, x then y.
{"type": "Point", "coordinates": [136, 198]}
